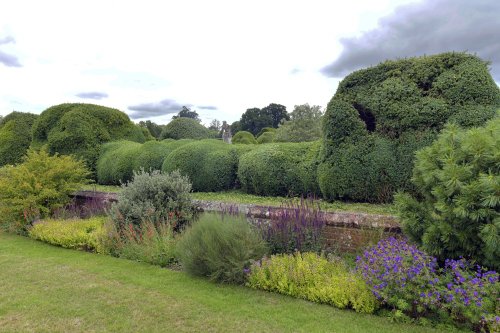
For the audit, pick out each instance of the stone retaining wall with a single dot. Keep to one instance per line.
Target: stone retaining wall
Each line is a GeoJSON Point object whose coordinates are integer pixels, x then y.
{"type": "Point", "coordinates": [345, 231]}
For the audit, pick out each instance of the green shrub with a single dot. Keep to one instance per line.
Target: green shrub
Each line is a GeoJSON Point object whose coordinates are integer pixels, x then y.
{"type": "Point", "coordinates": [244, 137]}
{"type": "Point", "coordinates": [457, 211]}
{"type": "Point", "coordinates": [154, 244]}
{"type": "Point", "coordinates": [155, 197]}
{"type": "Point", "coordinates": [280, 169]}
{"type": "Point", "coordinates": [304, 126]}
{"type": "Point", "coordinates": [36, 187]}
{"type": "Point", "coordinates": [266, 130]}
{"type": "Point", "coordinates": [119, 159]}
{"type": "Point", "coordinates": [220, 249]}
{"type": "Point", "coordinates": [116, 162]}
{"type": "Point", "coordinates": [266, 137]}
{"type": "Point", "coordinates": [211, 165]}
{"type": "Point", "coordinates": [15, 136]}
{"type": "Point", "coordinates": [72, 234]}
{"type": "Point", "coordinates": [398, 101]}
{"type": "Point", "coordinates": [314, 278]}
{"type": "Point", "coordinates": [184, 128]}
{"type": "Point", "coordinates": [80, 129]}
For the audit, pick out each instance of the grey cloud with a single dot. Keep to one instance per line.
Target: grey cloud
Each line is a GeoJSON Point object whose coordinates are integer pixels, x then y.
{"type": "Point", "coordinates": [92, 95]}
{"type": "Point", "coordinates": [428, 27]}
{"type": "Point", "coordinates": [8, 59]}
{"type": "Point", "coordinates": [155, 109]}
{"type": "Point", "coordinates": [207, 107]}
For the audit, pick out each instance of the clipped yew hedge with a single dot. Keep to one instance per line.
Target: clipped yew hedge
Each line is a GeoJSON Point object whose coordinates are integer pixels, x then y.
{"type": "Point", "coordinates": [278, 169]}
{"type": "Point", "coordinates": [390, 111]}
{"type": "Point", "coordinates": [211, 165]}
{"type": "Point", "coordinates": [81, 129]}
{"type": "Point", "coordinates": [185, 128]}
{"type": "Point", "coordinates": [15, 136]}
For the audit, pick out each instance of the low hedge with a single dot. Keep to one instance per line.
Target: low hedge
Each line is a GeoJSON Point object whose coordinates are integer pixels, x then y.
{"type": "Point", "coordinates": [278, 169]}
{"type": "Point", "coordinates": [211, 165]}
{"type": "Point", "coordinates": [119, 159]}
{"type": "Point", "coordinates": [72, 234]}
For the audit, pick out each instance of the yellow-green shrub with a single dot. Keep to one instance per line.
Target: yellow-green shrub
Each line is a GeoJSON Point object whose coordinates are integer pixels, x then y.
{"type": "Point", "coordinates": [72, 234]}
{"type": "Point", "coordinates": [37, 187]}
{"type": "Point", "coordinates": [314, 278]}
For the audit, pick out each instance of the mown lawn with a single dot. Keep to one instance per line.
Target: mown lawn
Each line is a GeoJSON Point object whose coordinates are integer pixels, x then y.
{"type": "Point", "coordinates": [238, 197]}
{"type": "Point", "coordinates": [50, 289]}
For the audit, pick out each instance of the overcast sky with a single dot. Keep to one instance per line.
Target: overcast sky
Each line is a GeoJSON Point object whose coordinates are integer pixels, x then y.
{"type": "Point", "coordinates": [149, 58]}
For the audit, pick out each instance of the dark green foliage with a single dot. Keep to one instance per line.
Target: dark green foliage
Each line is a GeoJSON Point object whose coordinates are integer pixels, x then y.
{"type": "Point", "coordinates": [184, 128]}
{"type": "Point", "coordinates": [266, 137]}
{"type": "Point", "coordinates": [211, 165]}
{"type": "Point", "coordinates": [278, 169]}
{"type": "Point", "coordinates": [154, 197]}
{"type": "Point", "coordinates": [255, 119]}
{"type": "Point", "coordinates": [235, 127]}
{"type": "Point", "coordinates": [244, 137]}
{"type": "Point", "coordinates": [457, 211]}
{"type": "Point", "coordinates": [15, 136]}
{"type": "Point", "coordinates": [405, 102]}
{"type": "Point", "coordinates": [265, 130]}
{"type": "Point", "coordinates": [220, 249]}
{"type": "Point", "coordinates": [119, 159]}
{"type": "Point", "coordinates": [187, 113]}
{"type": "Point", "coordinates": [80, 129]}
{"type": "Point", "coordinates": [277, 112]}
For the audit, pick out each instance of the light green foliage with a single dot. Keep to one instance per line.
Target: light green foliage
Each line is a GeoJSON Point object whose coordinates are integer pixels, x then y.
{"type": "Point", "coordinates": [266, 137]}
{"type": "Point", "coordinates": [220, 249]}
{"type": "Point", "coordinates": [304, 125]}
{"type": "Point", "coordinates": [457, 211]}
{"type": "Point", "coordinates": [36, 187]}
{"type": "Point", "coordinates": [116, 162]}
{"type": "Point", "coordinates": [154, 244]}
{"type": "Point", "coordinates": [211, 165]}
{"type": "Point", "coordinates": [243, 137]}
{"type": "Point", "coordinates": [280, 169]}
{"type": "Point", "coordinates": [155, 197]}
{"type": "Point", "coordinates": [72, 234]}
{"type": "Point", "coordinates": [404, 103]}
{"type": "Point", "coordinates": [80, 129]}
{"type": "Point", "coordinates": [312, 277]}
{"type": "Point", "coordinates": [15, 136]}
{"type": "Point", "coordinates": [184, 128]}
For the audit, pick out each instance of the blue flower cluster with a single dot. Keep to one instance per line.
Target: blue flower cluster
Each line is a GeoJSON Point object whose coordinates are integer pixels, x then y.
{"type": "Point", "coordinates": [407, 279]}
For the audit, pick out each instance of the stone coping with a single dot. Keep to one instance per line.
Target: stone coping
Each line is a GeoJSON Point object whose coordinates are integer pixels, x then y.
{"type": "Point", "coordinates": [356, 220]}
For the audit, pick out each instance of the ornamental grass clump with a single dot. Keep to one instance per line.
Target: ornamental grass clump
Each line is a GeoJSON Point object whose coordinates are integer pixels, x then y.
{"type": "Point", "coordinates": [411, 283]}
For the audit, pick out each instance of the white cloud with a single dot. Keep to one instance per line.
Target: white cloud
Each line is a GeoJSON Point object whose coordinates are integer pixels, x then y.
{"type": "Point", "coordinates": [230, 54]}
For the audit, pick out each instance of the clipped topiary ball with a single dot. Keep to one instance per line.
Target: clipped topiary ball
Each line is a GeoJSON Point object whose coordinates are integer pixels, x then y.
{"type": "Point", "coordinates": [244, 137]}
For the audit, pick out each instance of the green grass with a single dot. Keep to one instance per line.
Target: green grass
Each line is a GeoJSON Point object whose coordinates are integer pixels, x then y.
{"type": "Point", "coordinates": [50, 289]}
{"type": "Point", "coordinates": [243, 198]}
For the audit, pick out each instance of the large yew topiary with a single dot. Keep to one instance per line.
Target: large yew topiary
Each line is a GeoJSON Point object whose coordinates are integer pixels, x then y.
{"type": "Point", "coordinates": [185, 128]}
{"type": "Point", "coordinates": [457, 209]}
{"type": "Point", "coordinates": [80, 129]}
{"type": "Point", "coordinates": [15, 136]}
{"type": "Point", "coordinates": [393, 109]}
